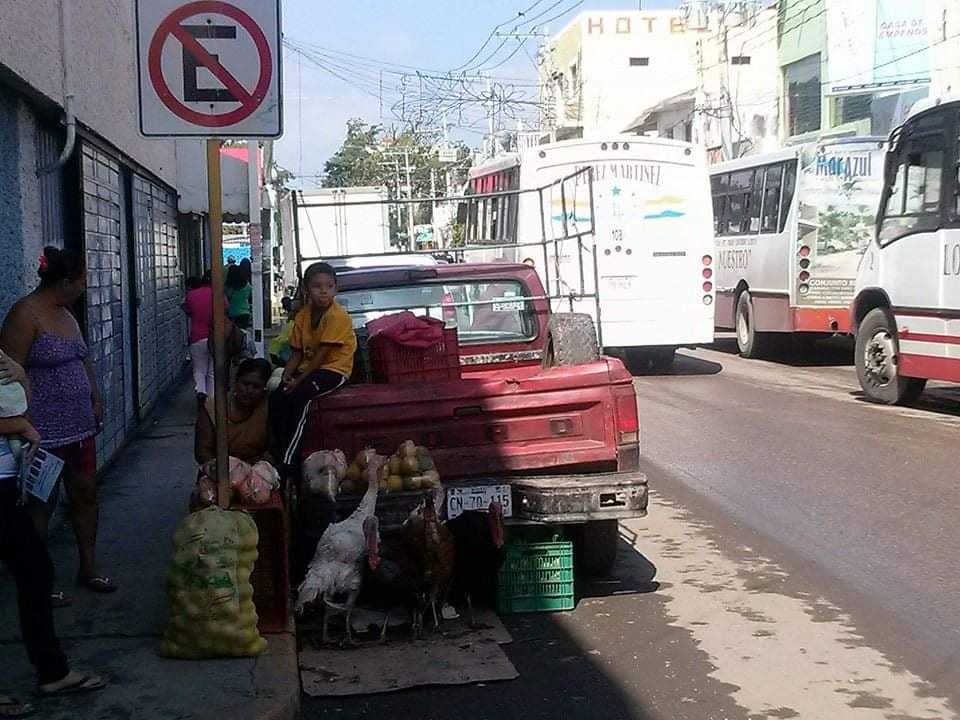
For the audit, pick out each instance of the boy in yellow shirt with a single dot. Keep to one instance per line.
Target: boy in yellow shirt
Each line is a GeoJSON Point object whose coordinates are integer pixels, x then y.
{"type": "Point", "coordinates": [322, 345]}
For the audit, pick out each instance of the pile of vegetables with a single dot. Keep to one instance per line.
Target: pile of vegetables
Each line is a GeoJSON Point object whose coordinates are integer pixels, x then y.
{"type": "Point", "coordinates": [209, 593]}
{"type": "Point", "coordinates": [410, 468]}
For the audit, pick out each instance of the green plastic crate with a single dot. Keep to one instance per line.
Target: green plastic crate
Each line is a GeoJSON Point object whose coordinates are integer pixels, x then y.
{"type": "Point", "coordinates": [536, 577]}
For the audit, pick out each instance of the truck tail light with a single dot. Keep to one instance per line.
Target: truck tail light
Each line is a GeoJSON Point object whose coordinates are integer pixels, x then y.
{"type": "Point", "coordinates": [804, 251]}
{"type": "Point", "coordinates": [707, 273]}
{"type": "Point", "coordinates": [628, 430]}
{"type": "Point", "coordinates": [707, 261]}
{"type": "Point", "coordinates": [708, 287]}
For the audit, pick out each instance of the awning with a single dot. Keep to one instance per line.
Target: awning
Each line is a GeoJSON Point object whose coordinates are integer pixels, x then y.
{"type": "Point", "coordinates": [682, 101]}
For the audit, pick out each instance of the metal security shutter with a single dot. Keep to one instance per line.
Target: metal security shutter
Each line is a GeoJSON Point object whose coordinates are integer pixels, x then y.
{"type": "Point", "coordinates": [52, 210]}
{"type": "Point", "coordinates": [107, 311]}
{"type": "Point", "coordinates": [161, 333]}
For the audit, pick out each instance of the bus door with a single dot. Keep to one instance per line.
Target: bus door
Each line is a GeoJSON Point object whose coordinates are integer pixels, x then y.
{"type": "Point", "coordinates": [918, 257]}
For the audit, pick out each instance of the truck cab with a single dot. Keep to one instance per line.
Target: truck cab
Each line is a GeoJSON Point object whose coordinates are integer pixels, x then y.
{"type": "Point", "coordinates": [535, 407]}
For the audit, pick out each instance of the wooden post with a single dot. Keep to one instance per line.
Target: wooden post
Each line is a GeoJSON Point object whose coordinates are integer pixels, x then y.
{"type": "Point", "coordinates": [215, 199]}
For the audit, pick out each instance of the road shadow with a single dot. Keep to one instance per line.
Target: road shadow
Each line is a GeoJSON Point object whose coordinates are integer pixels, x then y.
{"type": "Point", "coordinates": [683, 366]}
{"type": "Point", "coordinates": [617, 655]}
{"type": "Point", "coordinates": [802, 353]}
{"type": "Point", "coordinates": [636, 574]}
{"type": "Point", "coordinates": [939, 399]}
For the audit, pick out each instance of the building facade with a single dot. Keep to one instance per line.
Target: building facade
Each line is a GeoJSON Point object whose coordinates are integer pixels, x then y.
{"type": "Point", "coordinates": [104, 191]}
{"type": "Point", "coordinates": [603, 68]}
{"type": "Point", "coordinates": [852, 68]}
{"type": "Point", "coordinates": [732, 109]}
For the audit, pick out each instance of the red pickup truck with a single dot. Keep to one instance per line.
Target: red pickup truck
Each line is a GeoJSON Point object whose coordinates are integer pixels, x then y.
{"type": "Point", "coordinates": [536, 407]}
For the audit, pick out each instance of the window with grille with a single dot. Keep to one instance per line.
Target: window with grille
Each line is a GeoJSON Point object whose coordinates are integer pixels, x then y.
{"type": "Point", "coordinates": [802, 80]}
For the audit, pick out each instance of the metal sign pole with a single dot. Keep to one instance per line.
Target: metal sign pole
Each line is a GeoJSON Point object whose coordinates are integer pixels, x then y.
{"type": "Point", "coordinates": [215, 198]}
{"type": "Point", "coordinates": [256, 241]}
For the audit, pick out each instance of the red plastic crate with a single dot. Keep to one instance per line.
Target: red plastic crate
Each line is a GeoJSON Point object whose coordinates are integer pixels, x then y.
{"type": "Point", "coordinates": [271, 573]}
{"type": "Point", "coordinates": [391, 362]}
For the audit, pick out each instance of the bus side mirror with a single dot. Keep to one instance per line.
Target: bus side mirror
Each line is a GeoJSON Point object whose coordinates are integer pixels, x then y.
{"type": "Point", "coordinates": [461, 213]}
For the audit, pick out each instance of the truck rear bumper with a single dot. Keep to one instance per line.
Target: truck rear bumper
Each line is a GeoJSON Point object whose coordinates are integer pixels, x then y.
{"type": "Point", "coordinates": [577, 498]}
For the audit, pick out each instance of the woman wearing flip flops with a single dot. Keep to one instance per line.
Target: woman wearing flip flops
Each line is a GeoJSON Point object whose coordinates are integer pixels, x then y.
{"type": "Point", "coordinates": [24, 553]}
{"type": "Point", "coordinates": [42, 335]}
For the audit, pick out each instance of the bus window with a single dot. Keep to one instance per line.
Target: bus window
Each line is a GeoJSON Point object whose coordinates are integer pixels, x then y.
{"type": "Point", "coordinates": [771, 199]}
{"type": "Point", "coordinates": [755, 203]}
{"type": "Point", "coordinates": [738, 216]}
{"type": "Point", "coordinates": [913, 202]}
{"type": "Point", "coordinates": [789, 186]}
{"type": "Point", "coordinates": [923, 183]}
{"type": "Point", "coordinates": [719, 185]}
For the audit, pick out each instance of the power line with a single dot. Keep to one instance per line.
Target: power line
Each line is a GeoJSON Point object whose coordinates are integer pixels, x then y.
{"type": "Point", "coordinates": [492, 35]}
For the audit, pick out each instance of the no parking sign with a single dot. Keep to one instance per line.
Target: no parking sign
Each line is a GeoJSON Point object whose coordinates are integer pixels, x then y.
{"type": "Point", "coordinates": [209, 68]}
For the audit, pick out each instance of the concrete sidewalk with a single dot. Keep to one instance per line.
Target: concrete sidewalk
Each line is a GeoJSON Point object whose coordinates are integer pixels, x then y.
{"type": "Point", "coordinates": [143, 497]}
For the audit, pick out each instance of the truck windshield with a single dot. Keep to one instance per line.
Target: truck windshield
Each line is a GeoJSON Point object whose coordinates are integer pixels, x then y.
{"type": "Point", "coordinates": [484, 311]}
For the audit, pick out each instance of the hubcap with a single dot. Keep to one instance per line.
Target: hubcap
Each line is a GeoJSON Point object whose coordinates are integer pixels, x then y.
{"type": "Point", "coordinates": [878, 357]}
{"type": "Point", "coordinates": [743, 329]}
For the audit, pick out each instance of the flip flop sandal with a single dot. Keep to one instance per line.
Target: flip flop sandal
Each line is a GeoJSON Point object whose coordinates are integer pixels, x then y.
{"type": "Point", "coordinates": [98, 583]}
{"type": "Point", "coordinates": [10, 707]}
{"type": "Point", "coordinates": [84, 684]}
{"type": "Point", "coordinates": [59, 600]}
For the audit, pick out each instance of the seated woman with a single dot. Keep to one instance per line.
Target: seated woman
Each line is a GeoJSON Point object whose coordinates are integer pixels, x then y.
{"type": "Point", "coordinates": [322, 346]}
{"type": "Point", "coordinates": [248, 427]}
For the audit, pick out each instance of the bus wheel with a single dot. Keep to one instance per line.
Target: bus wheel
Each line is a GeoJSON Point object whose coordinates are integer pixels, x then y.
{"type": "Point", "coordinates": [877, 355]}
{"type": "Point", "coordinates": [750, 343]}
{"type": "Point", "coordinates": [571, 340]}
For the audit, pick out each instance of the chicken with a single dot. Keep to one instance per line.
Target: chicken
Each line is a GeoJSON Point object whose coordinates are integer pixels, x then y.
{"type": "Point", "coordinates": [337, 566]}
{"type": "Point", "coordinates": [479, 540]}
{"type": "Point", "coordinates": [427, 559]}
{"type": "Point", "coordinates": [388, 586]}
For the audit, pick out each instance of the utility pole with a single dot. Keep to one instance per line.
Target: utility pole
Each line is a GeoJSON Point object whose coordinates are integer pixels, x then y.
{"type": "Point", "coordinates": [726, 110]}
{"type": "Point", "coordinates": [406, 161]}
{"type": "Point", "coordinates": [490, 110]}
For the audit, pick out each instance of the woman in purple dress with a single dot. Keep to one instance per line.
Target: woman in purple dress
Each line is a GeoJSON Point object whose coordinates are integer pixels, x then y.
{"type": "Point", "coordinates": [41, 333]}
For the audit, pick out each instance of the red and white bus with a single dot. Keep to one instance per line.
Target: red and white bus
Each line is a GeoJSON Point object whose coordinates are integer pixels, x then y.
{"type": "Point", "coordinates": [907, 307]}
{"type": "Point", "coordinates": [791, 227]}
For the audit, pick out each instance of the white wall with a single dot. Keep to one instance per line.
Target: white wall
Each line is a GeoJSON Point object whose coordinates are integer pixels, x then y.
{"type": "Point", "coordinates": [103, 70]}
{"type": "Point", "coordinates": [751, 89]}
{"type": "Point", "coordinates": [614, 93]}
{"type": "Point", "coordinates": [944, 24]}
{"type": "Point", "coordinates": [611, 93]}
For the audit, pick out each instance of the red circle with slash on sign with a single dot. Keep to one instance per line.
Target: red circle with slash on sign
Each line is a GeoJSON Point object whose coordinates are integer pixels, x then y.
{"type": "Point", "coordinates": [171, 27]}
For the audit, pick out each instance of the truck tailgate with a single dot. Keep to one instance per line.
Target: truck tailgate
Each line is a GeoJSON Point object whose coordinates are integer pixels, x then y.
{"type": "Point", "coordinates": [532, 420]}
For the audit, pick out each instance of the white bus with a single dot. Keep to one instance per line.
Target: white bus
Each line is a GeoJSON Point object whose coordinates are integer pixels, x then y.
{"type": "Point", "coordinates": [791, 227]}
{"type": "Point", "coordinates": [907, 307]}
{"type": "Point", "coordinates": [650, 226]}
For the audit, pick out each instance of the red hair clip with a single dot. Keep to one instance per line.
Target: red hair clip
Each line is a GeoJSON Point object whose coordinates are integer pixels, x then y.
{"type": "Point", "coordinates": [43, 262]}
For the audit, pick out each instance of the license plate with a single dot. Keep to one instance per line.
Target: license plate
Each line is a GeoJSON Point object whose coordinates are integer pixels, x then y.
{"type": "Point", "coordinates": [621, 283]}
{"type": "Point", "coordinates": [479, 497]}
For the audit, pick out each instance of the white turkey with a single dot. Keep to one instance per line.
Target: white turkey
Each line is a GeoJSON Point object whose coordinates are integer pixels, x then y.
{"type": "Point", "coordinates": [336, 570]}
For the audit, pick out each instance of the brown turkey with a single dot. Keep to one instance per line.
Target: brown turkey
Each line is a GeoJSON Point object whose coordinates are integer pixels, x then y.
{"type": "Point", "coordinates": [427, 559]}
{"type": "Point", "coordinates": [479, 538]}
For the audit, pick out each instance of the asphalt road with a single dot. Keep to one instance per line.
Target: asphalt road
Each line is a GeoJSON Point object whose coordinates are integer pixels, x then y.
{"type": "Point", "coordinates": [800, 560]}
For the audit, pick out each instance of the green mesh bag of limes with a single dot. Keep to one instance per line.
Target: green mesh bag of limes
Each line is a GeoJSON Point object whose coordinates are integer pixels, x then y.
{"type": "Point", "coordinates": [210, 598]}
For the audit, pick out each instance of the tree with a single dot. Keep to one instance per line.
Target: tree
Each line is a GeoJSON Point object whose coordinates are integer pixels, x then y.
{"type": "Point", "coordinates": [378, 156]}
{"type": "Point", "coordinates": [358, 161]}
